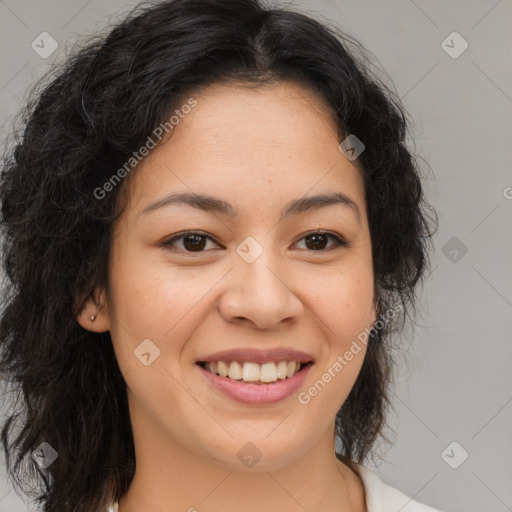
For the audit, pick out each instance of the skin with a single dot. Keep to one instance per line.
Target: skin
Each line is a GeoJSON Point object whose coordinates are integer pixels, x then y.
{"type": "Point", "coordinates": [256, 149]}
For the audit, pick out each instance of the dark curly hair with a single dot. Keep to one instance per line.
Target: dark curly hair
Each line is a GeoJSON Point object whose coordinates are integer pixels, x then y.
{"type": "Point", "coordinates": [82, 122]}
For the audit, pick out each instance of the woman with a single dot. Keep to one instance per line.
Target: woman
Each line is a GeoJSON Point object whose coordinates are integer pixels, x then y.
{"type": "Point", "coordinates": [212, 227]}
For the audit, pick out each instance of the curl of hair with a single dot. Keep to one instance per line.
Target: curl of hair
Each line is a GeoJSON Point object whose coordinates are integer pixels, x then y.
{"type": "Point", "coordinates": [82, 123]}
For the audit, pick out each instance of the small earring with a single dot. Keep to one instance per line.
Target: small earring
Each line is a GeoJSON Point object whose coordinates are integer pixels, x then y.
{"type": "Point", "coordinates": [93, 317]}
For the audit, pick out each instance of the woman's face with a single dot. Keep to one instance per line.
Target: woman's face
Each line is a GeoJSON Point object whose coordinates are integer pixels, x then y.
{"type": "Point", "coordinates": [255, 283]}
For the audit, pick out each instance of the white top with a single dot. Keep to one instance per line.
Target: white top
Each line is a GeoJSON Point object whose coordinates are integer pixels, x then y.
{"type": "Point", "coordinates": [380, 497]}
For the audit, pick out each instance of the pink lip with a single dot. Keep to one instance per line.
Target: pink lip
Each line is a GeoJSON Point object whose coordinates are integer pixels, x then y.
{"type": "Point", "coordinates": [259, 356]}
{"type": "Point", "coordinates": [256, 393]}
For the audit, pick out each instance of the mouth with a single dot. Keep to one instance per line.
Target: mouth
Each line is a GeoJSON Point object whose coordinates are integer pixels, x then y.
{"type": "Point", "coordinates": [258, 374]}
{"type": "Point", "coordinates": [255, 383]}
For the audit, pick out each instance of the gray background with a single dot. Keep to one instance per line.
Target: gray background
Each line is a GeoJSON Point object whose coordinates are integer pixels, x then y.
{"type": "Point", "coordinates": [454, 382]}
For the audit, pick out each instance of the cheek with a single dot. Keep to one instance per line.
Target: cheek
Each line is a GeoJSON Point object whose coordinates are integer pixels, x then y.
{"type": "Point", "coordinates": [343, 310]}
{"type": "Point", "coordinates": [343, 301]}
{"type": "Point", "coordinates": [152, 300]}
{"type": "Point", "coordinates": [154, 310]}
{"type": "Point", "coordinates": [343, 305]}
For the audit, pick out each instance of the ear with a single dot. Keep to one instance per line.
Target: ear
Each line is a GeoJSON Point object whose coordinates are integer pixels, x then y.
{"type": "Point", "coordinates": [95, 306]}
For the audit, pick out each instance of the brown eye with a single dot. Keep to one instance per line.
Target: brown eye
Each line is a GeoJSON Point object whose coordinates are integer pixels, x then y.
{"type": "Point", "coordinates": [319, 240]}
{"type": "Point", "coordinates": [191, 241]}
{"type": "Point", "coordinates": [194, 242]}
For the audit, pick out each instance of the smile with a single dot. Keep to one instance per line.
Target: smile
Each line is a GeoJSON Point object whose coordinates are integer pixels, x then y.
{"type": "Point", "coordinates": [253, 372]}
{"type": "Point", "coordinates": [253, 383]}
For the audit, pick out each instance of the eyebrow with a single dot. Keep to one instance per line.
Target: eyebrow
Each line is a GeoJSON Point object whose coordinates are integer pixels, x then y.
{"type": "Point", "coordinates": [215, 205]}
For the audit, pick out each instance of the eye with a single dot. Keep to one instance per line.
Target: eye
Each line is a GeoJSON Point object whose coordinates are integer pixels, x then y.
{"type": "Point", "coordinates": [317, 240]}
{"type": "Point", "coordinates": [194, 241]}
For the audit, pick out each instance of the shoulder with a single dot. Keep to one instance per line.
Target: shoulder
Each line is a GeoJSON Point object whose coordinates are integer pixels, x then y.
{"type": "Point", "coordinates": [381, 497]}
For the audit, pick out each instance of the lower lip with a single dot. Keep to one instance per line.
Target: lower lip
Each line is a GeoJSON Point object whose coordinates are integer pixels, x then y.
{"type": "Point", "coordinates": [257, 393]}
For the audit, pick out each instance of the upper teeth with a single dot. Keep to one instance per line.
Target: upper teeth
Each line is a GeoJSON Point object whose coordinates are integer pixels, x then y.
{"type": "Point", "coordinates": [253, 372]}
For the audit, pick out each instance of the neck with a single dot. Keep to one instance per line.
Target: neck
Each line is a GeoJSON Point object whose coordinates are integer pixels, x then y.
{"type": "Point", "coordinates": [170, 478]}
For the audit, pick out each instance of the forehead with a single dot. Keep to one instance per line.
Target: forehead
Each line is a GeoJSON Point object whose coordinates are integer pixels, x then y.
{"type": "Point", "coordinates": [280, 113]}
{"type": "Point", "coordinates": [239, 140]}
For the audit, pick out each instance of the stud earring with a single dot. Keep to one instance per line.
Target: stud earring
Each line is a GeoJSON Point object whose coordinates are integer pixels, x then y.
{"type": "Point", "coordinates": [92, 317]}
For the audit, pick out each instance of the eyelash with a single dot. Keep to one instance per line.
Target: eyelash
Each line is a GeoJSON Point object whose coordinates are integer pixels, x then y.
{"type": "Point", "coordinates": [338, 241]}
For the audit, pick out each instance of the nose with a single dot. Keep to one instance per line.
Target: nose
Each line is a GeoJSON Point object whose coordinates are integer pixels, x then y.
{"type": "Point", "coordinates": [261, 292]}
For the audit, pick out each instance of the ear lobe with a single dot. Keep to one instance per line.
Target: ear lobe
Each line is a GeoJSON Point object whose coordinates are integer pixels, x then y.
{"type": "Point", "coordinates": [94, 315]}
